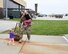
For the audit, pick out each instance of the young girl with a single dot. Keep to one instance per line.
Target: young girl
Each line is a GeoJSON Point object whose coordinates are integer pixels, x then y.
{"type": "Point", "coordinates": [11, 37]}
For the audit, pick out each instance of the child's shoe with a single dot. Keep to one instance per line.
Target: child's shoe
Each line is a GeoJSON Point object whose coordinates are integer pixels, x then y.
{"type": "Point", "coordinates": [13, 44]}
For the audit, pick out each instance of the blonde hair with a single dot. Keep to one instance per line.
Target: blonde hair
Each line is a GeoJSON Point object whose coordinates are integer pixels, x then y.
{"type": "Point", "coordinates": [25, 11]}
{"type": "Point", "coordinates": [11, 30]}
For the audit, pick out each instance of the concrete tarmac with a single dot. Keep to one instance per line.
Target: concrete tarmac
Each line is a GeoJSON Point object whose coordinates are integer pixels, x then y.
{"type": "Point", "coordinates": [38, 44]}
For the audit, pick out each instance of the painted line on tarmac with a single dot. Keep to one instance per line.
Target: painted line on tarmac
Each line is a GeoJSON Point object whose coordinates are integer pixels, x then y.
{"type": "Point", "coordinates": [65, 38]}
{"type": "Point", "coordinates": [22, 46]}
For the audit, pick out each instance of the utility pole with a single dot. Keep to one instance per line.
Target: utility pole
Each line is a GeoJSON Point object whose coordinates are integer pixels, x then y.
{"type": "Point", "coordinates": [36, 5]}
{"type": "Point", "coordinates": [6, 9]}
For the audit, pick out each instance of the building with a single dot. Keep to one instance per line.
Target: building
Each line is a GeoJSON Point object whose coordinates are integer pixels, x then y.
{"type": "Point", "coordinates": [11, 8]}
{"type": "Point", "coordinates": [1, 10]}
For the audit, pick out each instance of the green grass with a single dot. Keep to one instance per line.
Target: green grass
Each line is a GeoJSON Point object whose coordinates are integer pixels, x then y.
{"type": "Point", "coordinates": [15, 19]}
{"type": "Point", "coordinates": [48, 27]}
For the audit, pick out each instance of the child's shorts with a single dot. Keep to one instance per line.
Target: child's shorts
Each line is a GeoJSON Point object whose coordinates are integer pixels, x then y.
{"type": "Point", "coordinates": [12, 35]}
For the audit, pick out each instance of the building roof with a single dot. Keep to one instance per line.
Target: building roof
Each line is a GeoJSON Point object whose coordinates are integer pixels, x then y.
{"type": "Point", "coordinates": [21, 2]}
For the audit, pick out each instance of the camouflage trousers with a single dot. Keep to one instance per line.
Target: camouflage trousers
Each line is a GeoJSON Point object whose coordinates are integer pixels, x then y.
{"type": "Point", "coordinates": [26, 30]}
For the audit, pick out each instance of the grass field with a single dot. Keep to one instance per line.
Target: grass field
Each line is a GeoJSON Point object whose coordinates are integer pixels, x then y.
{"type": "Point", "coordinates": [49, 27]}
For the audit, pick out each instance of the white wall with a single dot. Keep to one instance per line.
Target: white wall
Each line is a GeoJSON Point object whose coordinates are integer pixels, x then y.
{"type": "Point", "coordinates": [10, 4]}
{"type": "Point", "coordinates": [1, 3]}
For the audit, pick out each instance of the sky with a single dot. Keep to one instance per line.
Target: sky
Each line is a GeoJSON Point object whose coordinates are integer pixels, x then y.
{"type": "Point", "coordinates": [49, 6]}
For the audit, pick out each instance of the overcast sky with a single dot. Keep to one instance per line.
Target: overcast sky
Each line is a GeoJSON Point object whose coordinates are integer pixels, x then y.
{"type": "Point", "coordinates": [49, 6]}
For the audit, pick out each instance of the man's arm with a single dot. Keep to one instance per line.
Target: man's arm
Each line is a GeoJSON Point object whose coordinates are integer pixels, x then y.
{"type": "Point", "coordinates": [22, 18]}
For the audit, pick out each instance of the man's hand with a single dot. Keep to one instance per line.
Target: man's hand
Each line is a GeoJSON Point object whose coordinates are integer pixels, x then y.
{"type": "Point", "coordinates": [19, 24]}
